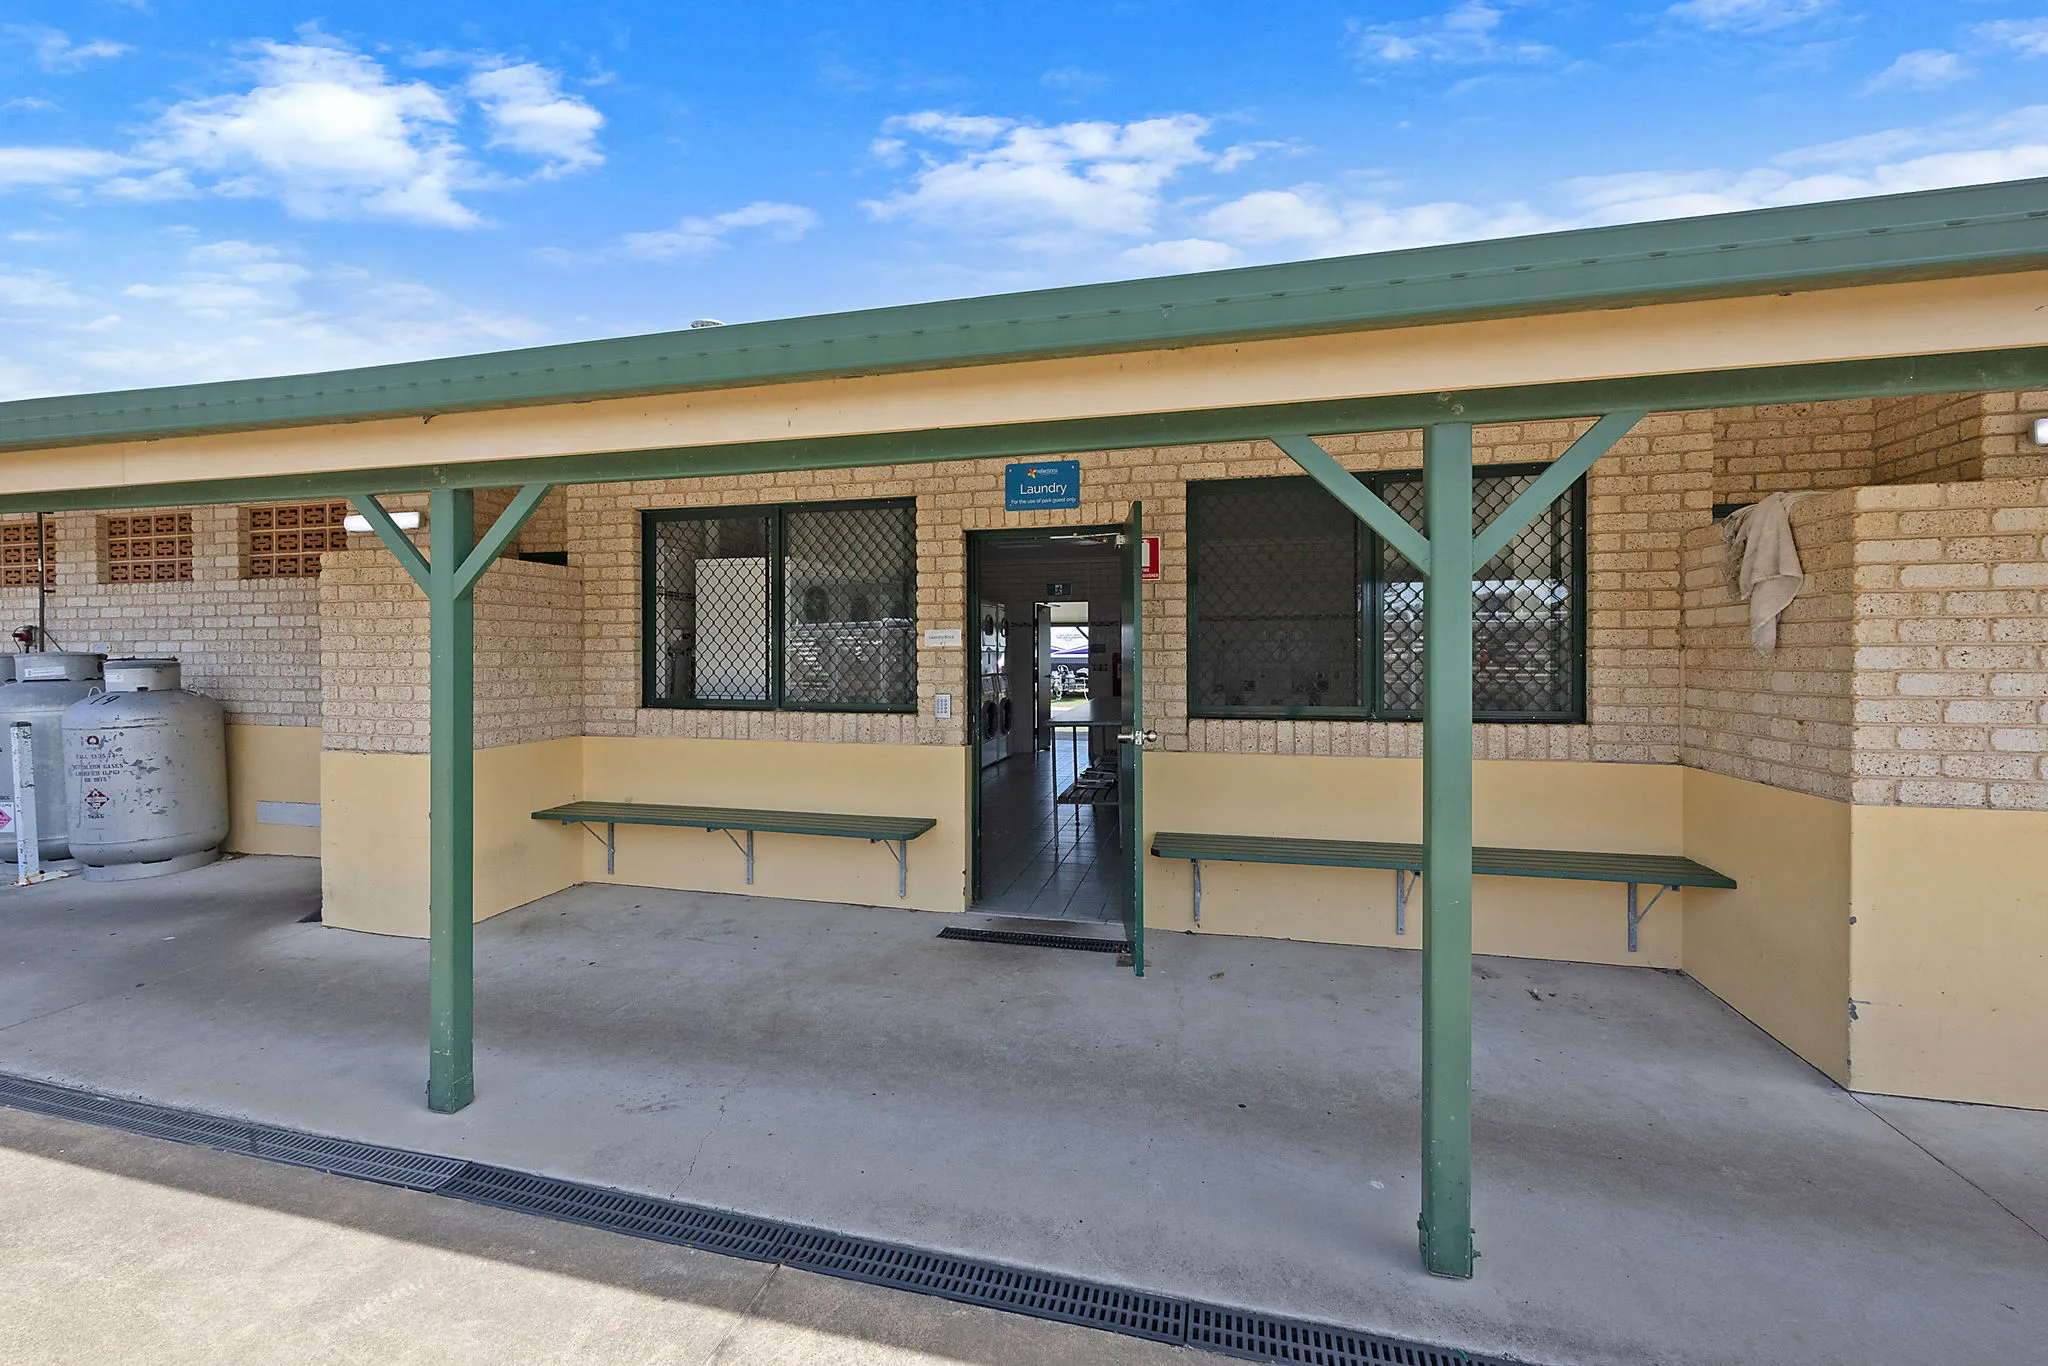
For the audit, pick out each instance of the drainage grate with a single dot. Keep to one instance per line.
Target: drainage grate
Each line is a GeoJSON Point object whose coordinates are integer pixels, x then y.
{"type": "Point", "coordinates": [346, 1157]}
{"type": "Point", "coordinates": [1265, 1337]}
{"type": "Point", "coordinates": [1038, 941]}
{"type": "Point", "coordinates": [1115, 1308]}
{"type": "Point", "coordinates": [642, 1216]}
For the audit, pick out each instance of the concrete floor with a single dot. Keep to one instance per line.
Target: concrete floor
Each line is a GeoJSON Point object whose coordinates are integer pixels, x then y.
{"type": "Point", "coordinates": [1658, 1181]}
{"type": "Point", "coordinates": [116, 1248]}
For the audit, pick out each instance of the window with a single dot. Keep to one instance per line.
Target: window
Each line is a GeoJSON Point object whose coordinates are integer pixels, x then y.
{"type": "Point", "coordinates": [19, 554]}
{"type": "Point", "coordinates": [286, 542]}
{"type": "Point", "coordinates": [1297, 609]}
{"type": "Point", "coordinates": [807, 608]}
{"type": "Point", "coordinates": [148, 547]}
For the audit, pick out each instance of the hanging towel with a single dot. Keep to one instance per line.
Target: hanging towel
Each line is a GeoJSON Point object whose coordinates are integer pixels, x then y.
{"type": "Point", "coordinates": [1763, 563]}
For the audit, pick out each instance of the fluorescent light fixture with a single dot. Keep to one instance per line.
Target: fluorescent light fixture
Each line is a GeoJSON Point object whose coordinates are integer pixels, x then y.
{"type": "Point", "coordinates": [407, 521]}
{"type": "Point", "coordinates": [2041, 431]}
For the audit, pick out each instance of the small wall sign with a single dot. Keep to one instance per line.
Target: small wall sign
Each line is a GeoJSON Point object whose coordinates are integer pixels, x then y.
{"type": "Point", "coordinates": [1148, 561]}
{"type": "Point", "coordinates": [941, 638]}
{"type": "Point", "coordinates": [1059, 590]}
{"type": "Point", "coordinates": [1042, 484]}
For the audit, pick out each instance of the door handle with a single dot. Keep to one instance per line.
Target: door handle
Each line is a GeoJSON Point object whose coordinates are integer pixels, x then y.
{"type": "Point", "coordinates": [1139, 738]}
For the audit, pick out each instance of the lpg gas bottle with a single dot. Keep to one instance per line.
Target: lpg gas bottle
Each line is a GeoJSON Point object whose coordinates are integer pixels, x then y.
{"type": "Point", "coordinates": [145, 774]}
{"type": "Point", "coordinates": [46, 682]}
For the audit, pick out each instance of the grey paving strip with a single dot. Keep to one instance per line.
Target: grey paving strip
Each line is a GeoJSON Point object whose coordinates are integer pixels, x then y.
{"type": "Point", "coordinates": [1245, 1334]}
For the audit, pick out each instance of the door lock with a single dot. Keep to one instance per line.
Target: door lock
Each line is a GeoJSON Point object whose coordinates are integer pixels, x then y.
{"type": "Point", "coordinates": [1138, 738]}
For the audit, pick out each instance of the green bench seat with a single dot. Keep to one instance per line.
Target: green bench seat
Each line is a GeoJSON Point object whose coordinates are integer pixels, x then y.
{"type": "Point", "coordinates": [893, 832]}
{"type": "Point", "coordinates": [1665, 872]}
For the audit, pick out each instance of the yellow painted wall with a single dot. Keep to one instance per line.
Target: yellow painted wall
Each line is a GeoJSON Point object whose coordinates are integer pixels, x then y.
{"type": "Point", "coordinates": [887, 780]}
{"type": "Point", "coordinates": [1949, 954]}
{"type": "Point", "coordinates": [1633, 808]}
{"type": "Point", "coordinates": [1777, 947]}
{"type": "Point", "coordinates": [373, 833]}
{"type": "Point", "coordinates": [272, 764]}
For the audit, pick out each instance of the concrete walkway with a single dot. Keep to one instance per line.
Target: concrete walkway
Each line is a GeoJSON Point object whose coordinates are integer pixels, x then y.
{"type": "Point", "coordinates": [123, 1249]}
{"type": "Point", "coordinates": [1658, 1181]}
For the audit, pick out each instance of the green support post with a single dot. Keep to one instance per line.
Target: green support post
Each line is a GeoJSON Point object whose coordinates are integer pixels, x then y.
{"type": "Point", "coordinates": [1446, 1221]}
{"type": "Point", "coordinates": [451, 804]}
{"type": "Point", "coordinates": [448, 575]}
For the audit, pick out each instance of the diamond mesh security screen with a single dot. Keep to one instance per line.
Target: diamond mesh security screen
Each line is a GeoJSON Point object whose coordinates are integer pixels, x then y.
{"type": "Point", "coordinates": [1274, 597]}
{"type": "Point", "coordinates": [1293, 601]}
{"type": "Point", "coordinates": [1525, 612]}
{"type": "Point", "coordinates": [710, 623]}
{"type": "Point", "coordinates": [149, 548]}
{"type": "Point", "coordinates": [849, 592]}
{"type": "Point", "coordinates": [800, 607]}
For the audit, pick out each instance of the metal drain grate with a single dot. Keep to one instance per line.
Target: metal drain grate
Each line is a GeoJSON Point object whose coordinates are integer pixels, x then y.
{"type": "Point", "coordinates": [1115, 1308]}
{"type": "Point", "coordinates": [346, 1157]}
{"type": "Point", "coordinates": [1266, 1337]}
{"type": "Point", "coordinates": [642, 1216]}
{"type": "Point", "coordinates": [1118, 1309]}
{"type": "Point", "coordinates": [1038, 941]}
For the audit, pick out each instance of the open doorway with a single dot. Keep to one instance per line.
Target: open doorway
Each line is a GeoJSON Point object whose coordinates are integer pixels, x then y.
{"type": "Point", "coordinates": [1046, 697]}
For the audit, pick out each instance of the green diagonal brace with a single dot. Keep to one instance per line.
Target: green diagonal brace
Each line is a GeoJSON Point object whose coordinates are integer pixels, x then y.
{"type": "Point", "coordinates": [1366, 505]}
{"type": "Point", "coordinates": [448, 575]}
{"type": "Point", "coordinates": [1550, 485]}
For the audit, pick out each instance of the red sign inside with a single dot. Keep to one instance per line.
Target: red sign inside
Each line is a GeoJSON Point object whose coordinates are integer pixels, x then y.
{"type": "Point", "coordinates": [1149, 564]}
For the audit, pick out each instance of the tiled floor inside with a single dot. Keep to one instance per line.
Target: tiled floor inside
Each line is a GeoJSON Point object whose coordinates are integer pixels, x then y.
{"type": "Point", "coordinates": [1052, 863]}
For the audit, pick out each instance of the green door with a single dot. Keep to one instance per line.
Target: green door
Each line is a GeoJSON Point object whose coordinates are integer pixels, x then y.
{"type": "Point", "coordinates": [1131, 738]}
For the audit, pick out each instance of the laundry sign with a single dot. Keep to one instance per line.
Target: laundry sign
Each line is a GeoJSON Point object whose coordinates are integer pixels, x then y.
{"type": "Point", "coordinates": [1042, 484]}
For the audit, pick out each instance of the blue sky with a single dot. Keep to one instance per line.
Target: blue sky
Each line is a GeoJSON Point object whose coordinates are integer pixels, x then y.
{"type": "Point", "coordinates": [198, 190]}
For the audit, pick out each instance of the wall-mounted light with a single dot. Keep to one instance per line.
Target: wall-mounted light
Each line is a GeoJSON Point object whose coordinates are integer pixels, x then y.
{"type": "Point", "coordinates": [2041, 431]}
{"type": "Point", "coordinates": [406, 521]}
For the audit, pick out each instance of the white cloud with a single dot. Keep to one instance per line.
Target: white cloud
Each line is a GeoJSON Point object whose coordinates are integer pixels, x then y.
{"type": "Point", "coordinates": [29, 104]}
{"type": "Point", "coordinates": [1748, 16]}
{"type": "Point", "coordinates": [55, 51]}
{"type": "Point", "coordinates": [529, 114]}
{"type": "Point", "coordinates": [695, 237]}
{"type": "Point", "coordinates": [1467, 32]}
{"type": "Point", "coordinates": [227, 309]}
{"type": "Point", "coordinates": [326, 132]}
{"type": "Point", "coordinates": [35, 289]}
{"type": "Point", "coordinates": [1314, 220]}
{"type": "Point", "coordinates": [1926, 69]}
{"type": "Point", "coordinates": [1039, 186]}
{"type": "Point", "coordinates": [1185, 254]}
{"type": "Point", "coordinates": [2028, 37]}
{"type": "Point", "coordinates": [31, 167]}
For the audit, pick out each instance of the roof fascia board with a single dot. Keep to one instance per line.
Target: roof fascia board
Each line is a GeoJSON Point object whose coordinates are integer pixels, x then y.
{"type": "Point", "coordinates": [2018, 368]}
{"type": "Point", "coordinates": [1932, 234]}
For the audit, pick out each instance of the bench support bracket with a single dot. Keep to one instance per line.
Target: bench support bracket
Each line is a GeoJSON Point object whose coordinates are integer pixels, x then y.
{"type": "Point", "coordinates": [746, 849]}
{"type": "Point", "coordinates": [609, 839]}
{"type": "Point", "coordinates": [900, 851]}
{"type": "Point", "coordinates": [1404, 882]}
{"type": "Point", "coordinates": [1635, 917]}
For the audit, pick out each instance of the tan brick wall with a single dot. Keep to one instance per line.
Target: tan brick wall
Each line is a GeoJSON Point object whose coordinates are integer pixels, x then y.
{"type": "Point", "coordinates": [374, 655]}
{"type": "Point", "coordinates": [1784, 447]}
{"type": "Point", "coordinates": [1909, 672]}
{"type": "Point", "coordinates": [1642, 497]}
{"type": "Point", "coordinates": [252, 643]}
{"type": "Point", "coordinates": [1951, 691]}
{"type": "Point", "coordinates": [1930, 439]}
{"type": "Point", "coordinates": [1784, 718]}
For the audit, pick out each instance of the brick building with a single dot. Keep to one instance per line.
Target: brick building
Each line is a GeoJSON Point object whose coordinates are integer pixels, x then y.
{"type": "Point", "coordinates": [1877, 786]}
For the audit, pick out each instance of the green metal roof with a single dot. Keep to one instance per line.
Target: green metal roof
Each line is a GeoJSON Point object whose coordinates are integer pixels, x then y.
{"type": "Point", "coordinates": [1983, 229]}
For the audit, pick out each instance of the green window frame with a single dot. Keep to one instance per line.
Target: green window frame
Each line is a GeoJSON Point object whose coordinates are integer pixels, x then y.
{"type": "Point", "coordinates": [1354, 605]}
{"type": "Point", "coordinates": [827, 641]}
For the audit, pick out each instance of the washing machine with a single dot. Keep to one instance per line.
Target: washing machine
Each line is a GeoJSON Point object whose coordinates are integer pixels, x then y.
{"type": "Point", "coordinates": [996, 707]}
